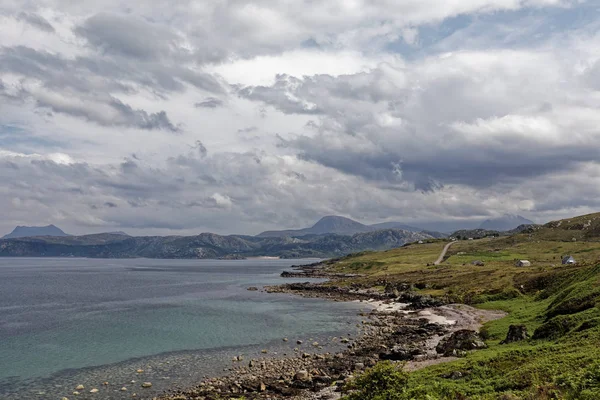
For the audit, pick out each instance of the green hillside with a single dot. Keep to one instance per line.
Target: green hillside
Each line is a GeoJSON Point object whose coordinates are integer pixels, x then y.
{"type": "Point", "coordinates": [559, 304]}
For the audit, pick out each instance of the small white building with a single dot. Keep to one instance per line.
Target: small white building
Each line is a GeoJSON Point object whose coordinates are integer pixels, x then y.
{"type": "Point", "coordinates": [523, 263]}
{"type": "Point", "coordinates": [568, 260]}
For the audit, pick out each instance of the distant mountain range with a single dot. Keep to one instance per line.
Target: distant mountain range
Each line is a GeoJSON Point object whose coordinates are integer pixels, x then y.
{"type": "Point", "coordinates": [505, 223]}
{"type": "Point", "coordinates": [30, 231]}
{"type": "Point", "coordinates": [342, 226]}
{"type": "Point", "coordinates": [206, 245]}
{"type": "Point", "coordinates": [330, 237]}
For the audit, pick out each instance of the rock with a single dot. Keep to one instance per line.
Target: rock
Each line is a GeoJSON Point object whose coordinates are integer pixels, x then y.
{"type": "Point", "coordinates": [262, 387]}
{"type": "Point", "coordinates": [147, 385]}
{"type": "Point", "coordinates": [399, 353]}
{"type": "Point", "coordinates": [123, 389]}
{"type": "Point", "coordinates": [139, 371]}
{"type": "Point", "coordinates": [285, 339]}
{"type": "Point", "coordinates": [305, 355]}
{"type": "Point", "coordinates": [315, 344]}
{"type": "Point", "coordinates": [105, 383]}
{"type": "Point", "coordinates": [456, 375]}
{"type": "Point", "coordinates": [302, 376]}
{"type": "Point", "coordinates": [299, 342]}
{"type": "Point", "coordinates": [359, 366]}
{"type": "Point", "coordinates": [264, 351]}
{"type": "Point", "coordinates": [94, 391]}
{"type": "Point", "coordinates": [516, 333]}
{"type": "Point", "coordinates": [65, 398]}
{"type": "Point", "coordinates": [253, 289]}
{"type": "Point", "coordinates": [80, 387]}
{"type": "Point", "coordinates": [344, 340]}
{"type": "Point", "coordinates": [460, 340]}
{"type": "Point", "coordinates": [478, 263]}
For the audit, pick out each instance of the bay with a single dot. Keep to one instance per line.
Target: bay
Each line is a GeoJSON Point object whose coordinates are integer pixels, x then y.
{"type": "Point", "coordinates": [63, 321]}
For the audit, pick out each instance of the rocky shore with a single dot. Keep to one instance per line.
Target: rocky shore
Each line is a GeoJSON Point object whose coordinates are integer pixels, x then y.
{"type": "Point", "coordinates": [399, 325]}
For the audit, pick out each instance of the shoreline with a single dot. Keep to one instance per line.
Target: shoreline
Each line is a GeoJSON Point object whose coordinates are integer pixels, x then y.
{"type": "Point", "coordinates": [401, 326]}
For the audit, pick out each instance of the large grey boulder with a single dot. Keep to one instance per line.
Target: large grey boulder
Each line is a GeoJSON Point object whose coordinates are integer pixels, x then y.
{"type": "Point", "coordinates": [463, 340]}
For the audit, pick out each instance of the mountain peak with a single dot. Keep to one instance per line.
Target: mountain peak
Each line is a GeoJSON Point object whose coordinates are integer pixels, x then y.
{"type": "Point", "coordinates": [337, 224]}
{"type": "Point", "coordinates": [31, 231]}
{"type": "Point", "coordinates": [506, 222]}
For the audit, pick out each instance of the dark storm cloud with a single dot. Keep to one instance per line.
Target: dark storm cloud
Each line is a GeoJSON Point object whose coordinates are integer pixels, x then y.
{"type": "Point", "coordinates": [36, 20]}
{"type": "Point", "coordinates": [209, 102]}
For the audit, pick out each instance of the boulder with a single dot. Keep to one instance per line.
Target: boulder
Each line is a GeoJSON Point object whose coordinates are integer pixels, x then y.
{"type": "Point", "coordinates": [302, 376]}
{"type": "Point", "coordinates": [399, 353]}
{"type": "Point", "coordinates": [462, 340]}
{"type": "Point", "coordinates": [516, 333]}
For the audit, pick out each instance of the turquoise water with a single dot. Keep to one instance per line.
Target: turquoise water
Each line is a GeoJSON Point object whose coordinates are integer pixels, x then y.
{"type": "Point", "coordinates": [67, 320]}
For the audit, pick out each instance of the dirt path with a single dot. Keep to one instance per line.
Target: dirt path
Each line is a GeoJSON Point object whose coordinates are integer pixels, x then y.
{"type": "Point", "coordinates": [443, 254]}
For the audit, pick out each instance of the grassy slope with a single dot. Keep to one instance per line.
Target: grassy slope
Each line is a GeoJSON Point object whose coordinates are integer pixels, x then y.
{"type": "Point", "coordinates": [559, 305]}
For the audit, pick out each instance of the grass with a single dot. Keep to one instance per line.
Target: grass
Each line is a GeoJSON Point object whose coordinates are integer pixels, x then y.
{"type": "Point", "coordinates": [559, 305]}
{"type": "Point", "coordinates": [564, 366]}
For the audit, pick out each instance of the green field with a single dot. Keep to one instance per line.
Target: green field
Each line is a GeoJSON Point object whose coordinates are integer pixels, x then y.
{"type": "Point", "coordinates": [558, 304]}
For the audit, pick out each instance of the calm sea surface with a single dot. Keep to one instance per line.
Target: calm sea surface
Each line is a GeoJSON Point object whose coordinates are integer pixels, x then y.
{"type": "Point", "coordinates": [69, 321]}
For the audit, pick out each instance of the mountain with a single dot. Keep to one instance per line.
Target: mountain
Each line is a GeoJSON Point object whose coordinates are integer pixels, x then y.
{"type": "Point", "coordinates": [343, 226]}
{"type": "Point", "coordinates": [329, 224]}
{"type": "Point", "coordinates": [31, 231]}
{"type": "Point", "coordinates": [207, 245]}
{"type": "Point", "coordinates": [505, 223]}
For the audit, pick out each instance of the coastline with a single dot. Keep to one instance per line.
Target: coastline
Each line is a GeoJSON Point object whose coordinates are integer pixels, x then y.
{"type": "Point", "coordinates": [399, 325]}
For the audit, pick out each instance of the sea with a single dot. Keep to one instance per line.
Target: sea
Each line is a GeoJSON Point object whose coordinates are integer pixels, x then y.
{"type": "Point", "coordinates": [69, 322]}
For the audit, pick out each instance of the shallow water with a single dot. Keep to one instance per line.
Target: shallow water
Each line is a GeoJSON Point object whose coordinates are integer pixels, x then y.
{"type": "Point", "coordinates": [70, 321]}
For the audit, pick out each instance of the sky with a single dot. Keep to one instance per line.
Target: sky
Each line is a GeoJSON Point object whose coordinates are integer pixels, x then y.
{"type": "Point", "coordinates": [236, 116]}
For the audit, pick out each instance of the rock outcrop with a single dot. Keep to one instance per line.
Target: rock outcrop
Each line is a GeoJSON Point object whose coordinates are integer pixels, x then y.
{"type": "Point", "coordinates": [516, 333]}
{"type": "Point", "coordinates": [459, 341]}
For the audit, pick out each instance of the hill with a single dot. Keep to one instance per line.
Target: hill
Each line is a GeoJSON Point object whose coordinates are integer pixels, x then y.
{"type": "Point", "coordinates": [344, 226]}
{"type": "Point", "coordinates": [505, 223]}
{"type": "Point", "coordinates": [206, 245]}
{"type": "Point", "coordinates": [559, 305]}
{"type": "Point", "coordinates": [31, 231]}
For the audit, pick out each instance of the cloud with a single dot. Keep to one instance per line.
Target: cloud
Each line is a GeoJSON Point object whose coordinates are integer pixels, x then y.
{"type": "Point", "coordinates": [106, 112]}
{"type": "Point", "coordinates": [130, 36]}
{"type": "Point", "coordinates": [36, 20]}
{"type": "Point", "coordinates": [209, 102]}
{"type": "Point", "coordinates": [464, 118]}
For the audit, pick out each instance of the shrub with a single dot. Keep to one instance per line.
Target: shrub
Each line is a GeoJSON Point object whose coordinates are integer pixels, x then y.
{"type": "Point", "coordinates": [385, 381]}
